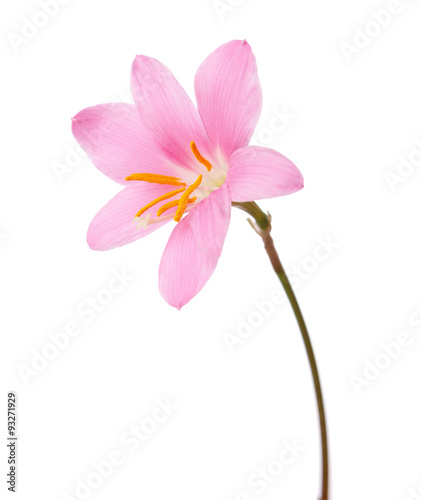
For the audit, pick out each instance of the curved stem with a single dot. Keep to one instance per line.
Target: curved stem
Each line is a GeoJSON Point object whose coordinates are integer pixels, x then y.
{"type": "Point", "coordinates": [262, 226]}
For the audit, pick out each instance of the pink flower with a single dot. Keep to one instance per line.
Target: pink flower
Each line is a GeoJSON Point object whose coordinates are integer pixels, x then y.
{"type": "Point", "coordinates": [182, 163]}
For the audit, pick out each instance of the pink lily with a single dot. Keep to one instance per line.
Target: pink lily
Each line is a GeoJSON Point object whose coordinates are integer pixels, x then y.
{"type": "Point", "coordinates": [180, 162]}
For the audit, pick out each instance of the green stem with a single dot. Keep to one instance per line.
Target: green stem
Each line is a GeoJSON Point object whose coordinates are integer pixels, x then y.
{"type": "Point", "coordinates": [262, 226]}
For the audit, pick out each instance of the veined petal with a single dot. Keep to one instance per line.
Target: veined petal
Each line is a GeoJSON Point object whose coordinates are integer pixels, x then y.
{"type": "Point", "coordinates": [168, 112]}
{"type": "Point", "coordinates": [210, 219]}
{"type": "Point", "coordinates": [114, 225]}
{"type": "Point", "coordinates": [229, 97]}
{"type": "Point", "coordinates": [193, 250]}
{"type": "Point", "coordinates": [255, 173]}
{"type": "Point", "coordinates": [117, 142]}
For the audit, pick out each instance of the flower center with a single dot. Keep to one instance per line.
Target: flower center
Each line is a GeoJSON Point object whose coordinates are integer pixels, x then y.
{"type": "Point", "coordinates": [181, 204]}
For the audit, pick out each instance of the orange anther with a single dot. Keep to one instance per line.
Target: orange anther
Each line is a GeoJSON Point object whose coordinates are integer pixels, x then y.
{"type": "Point", "coordinates": [182, 204]}
{"type": "Point", "coordinates": [199, 157]}
{"type": "Point", "coordinates": [172, 204]}
{"type": "Point", "coordinates": [157, 200]}
{"type": "Point", "coordinates": [156, 179]}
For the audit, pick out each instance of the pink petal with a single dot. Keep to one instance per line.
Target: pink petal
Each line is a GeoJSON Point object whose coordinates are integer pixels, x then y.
{"type": "Point", "coordinates": [114, 225]}
{"type": "Point", "coordinates": [168, 112]}
{"type": "Point", "coordinates": [229, 96]}
{"type": "Point", "coordinates": [193, 249]}
{"type": "Point", "coordinates": [209, 221]}
{"type": "Point", "coordinates": [116, 141]}
{"type": "Point", "coordinates": [255, 173]}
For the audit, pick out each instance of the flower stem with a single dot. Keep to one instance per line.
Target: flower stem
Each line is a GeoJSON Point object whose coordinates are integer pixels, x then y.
{"type": "Point", "coordinates": [262, 226]}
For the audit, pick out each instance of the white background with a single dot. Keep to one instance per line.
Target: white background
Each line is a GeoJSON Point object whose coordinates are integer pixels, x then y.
{"type": "Point", "coordinates": [351, 122]}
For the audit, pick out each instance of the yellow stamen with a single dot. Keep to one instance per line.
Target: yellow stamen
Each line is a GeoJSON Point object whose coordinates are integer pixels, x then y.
{"type": "Point", "coordinates": [156, 179]}
{"type": "Point", "coordinates": [172, 204]}
{"type": "Point", "coordinates": [182, 204]}
{"type": "Point", "coordinates": [157, 200]}
{"type": "Point", "coordinates": [199, 157]}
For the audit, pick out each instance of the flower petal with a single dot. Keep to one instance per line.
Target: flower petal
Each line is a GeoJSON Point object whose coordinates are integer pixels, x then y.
{"type": "Point", "coordinates": [209, 221]}
{"type": "Point", "coordinates": [255, 173]}
{"type": "Point", "coordinates": [168, 112]}
{"type": "Point", "coordinates": [114, 225]}
{"type": "Point", "coordinates": [229, 97]}
{"type": "Point", "coordinates": [193, 249]}
{"type": "Point", "coordinates": [117, 142]}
